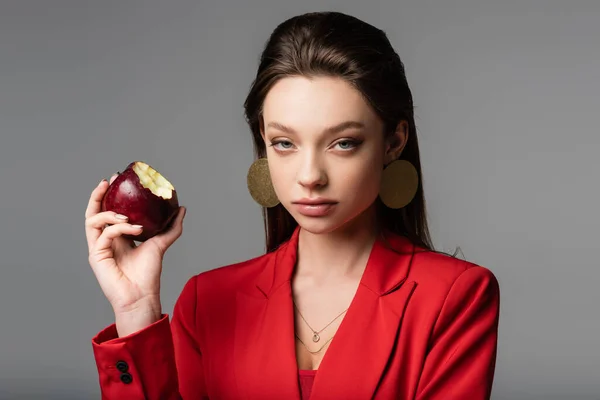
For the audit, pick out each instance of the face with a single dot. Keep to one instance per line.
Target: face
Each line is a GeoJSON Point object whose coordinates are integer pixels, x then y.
{"type": "Point", "coordinates": [325, 145]}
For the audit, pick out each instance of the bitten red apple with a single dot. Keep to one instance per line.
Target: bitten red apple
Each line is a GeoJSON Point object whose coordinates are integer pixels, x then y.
{"type": "Point", "coordinates": [145, 196]}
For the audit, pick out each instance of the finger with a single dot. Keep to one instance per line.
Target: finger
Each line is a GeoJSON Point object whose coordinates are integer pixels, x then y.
{"type": "Point", "coordinates": [92, 232]}
{"type": "Point", "coordinates": [94, 203]}
{"type": "Point", "coordinates": [95, 224]}
{"type": "Point", "coordinates": [114, 176]}
{"type": "Point", "coordinates": [112, 232]}
{"type": "Point", "coordinates": [121, 244]}
{"type": "Point", "coordinates": [166, 238]}
{"type": "Point", "coordinates": [95, 207]}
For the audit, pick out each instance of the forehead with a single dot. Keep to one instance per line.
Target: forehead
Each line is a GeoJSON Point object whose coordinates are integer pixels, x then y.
{"type": "Point", "coordinates": [316, 103]}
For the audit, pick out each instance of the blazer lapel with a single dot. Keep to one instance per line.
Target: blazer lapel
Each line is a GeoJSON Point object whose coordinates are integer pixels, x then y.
{"type": "Point", "coordinates": [358, 354]}
{"type": "Point", "coordinates": [264, 342]}
{"type": "Point", "coordinates": [265, 351]}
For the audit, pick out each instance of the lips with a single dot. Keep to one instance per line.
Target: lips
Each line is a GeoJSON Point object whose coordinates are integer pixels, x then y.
{"type": "Point", "coordinates": [314, 207]}
{"type": "Point", "coordinates": [313, 202]}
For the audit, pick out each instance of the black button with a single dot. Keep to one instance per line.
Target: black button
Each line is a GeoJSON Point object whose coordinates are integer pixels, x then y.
{"type": "Point", "coordinates": [126, 377]}
{"type": "Point", "coordinates": [122, 366]}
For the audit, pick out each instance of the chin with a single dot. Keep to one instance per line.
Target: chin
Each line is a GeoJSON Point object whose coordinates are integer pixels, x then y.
{"type": "Point", "coordinates": [316, 227]}
{"type": "Point", "coordinates": [320, 225]}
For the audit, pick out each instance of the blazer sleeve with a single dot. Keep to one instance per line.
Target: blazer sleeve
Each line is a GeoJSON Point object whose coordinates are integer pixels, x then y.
{"type": "Point", "coordinates": [461, 360]}
{"type": "Point", "coordinates": [162, 361]}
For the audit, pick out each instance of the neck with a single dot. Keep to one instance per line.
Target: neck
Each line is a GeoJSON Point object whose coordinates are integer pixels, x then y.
{"type": "Point", "coordinates": [341, 254]}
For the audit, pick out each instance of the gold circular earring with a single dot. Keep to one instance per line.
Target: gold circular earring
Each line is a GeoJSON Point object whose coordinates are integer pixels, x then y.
{"type": "Point", "coordinates": [260, 185]}
{"type": "Point", "coordinates": [399, 184]}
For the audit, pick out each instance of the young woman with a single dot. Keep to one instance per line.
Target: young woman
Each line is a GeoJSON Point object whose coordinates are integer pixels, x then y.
{"type": "Point", "coordinates": [350, 301]}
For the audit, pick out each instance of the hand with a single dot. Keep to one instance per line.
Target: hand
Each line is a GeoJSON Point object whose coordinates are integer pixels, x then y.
{"type": "Point", "coordinates": [129, 275]}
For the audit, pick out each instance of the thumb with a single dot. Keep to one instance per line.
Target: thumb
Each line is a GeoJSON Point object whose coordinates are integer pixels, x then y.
{"type": "Point", "coordinates": [166, 238]}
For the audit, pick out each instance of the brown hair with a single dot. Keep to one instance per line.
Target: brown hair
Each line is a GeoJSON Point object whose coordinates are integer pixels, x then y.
{"type": "Point", "coordinates": [339, 45]}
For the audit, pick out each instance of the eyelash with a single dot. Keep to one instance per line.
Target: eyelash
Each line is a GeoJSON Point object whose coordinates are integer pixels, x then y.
{"type": "Point", "coordinates": [353, 142]}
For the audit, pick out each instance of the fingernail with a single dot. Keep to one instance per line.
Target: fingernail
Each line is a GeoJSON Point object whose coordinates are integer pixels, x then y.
{"type": "Point", "coordinates": [102, 181]}
{"type": "Point", "coordinates": [136, 226]}
{"type": "Point", "coordinates": [120, 216]}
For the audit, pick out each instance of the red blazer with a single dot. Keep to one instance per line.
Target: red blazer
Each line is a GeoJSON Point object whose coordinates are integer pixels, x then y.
{"type": "Point", "coordinates": [421, 326]}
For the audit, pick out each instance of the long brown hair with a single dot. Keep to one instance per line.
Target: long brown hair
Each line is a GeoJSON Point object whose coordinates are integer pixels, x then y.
{"type": "Point", "coordinates": [339, 45]}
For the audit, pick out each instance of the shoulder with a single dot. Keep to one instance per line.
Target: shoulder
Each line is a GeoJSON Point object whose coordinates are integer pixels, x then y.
{"type": "Point", "coordinates": [227, 279]}
{"type": "Point", "coordinates": [444, 268]}
{"type": "Point", "coordinates": [441, 275]}
{"type": "Point", "coordinates": [448, 292]}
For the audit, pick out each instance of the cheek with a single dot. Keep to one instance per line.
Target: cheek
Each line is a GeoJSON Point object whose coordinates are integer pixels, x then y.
{"type": "Point", "coordinates": [362, 182]}
{"type": "Point", "coordinates": [279, 179]}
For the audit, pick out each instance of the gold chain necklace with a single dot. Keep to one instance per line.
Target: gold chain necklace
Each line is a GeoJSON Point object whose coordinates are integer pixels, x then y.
{"type": "Point", "coordinates": [316, 336]}
{"type": "Point", "coordinates": [309, 350]}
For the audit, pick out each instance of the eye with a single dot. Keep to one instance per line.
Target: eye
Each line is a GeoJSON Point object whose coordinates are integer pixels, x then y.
{"type": "Point", "coordinates": [283, 144]}
{"type": "Point", "coordinates": [347, 144]}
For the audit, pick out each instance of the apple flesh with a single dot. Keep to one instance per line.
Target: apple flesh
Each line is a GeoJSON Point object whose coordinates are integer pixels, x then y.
{"type": "Point", "coordinates": [145, 196]}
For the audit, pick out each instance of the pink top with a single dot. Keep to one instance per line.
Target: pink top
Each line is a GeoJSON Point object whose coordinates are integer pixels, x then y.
{"type": "Point", "coordinates": [306, 377]}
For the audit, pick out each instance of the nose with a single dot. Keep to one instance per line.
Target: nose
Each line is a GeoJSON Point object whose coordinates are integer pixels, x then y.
{"type": "Point", "coordinates": [311, 173]}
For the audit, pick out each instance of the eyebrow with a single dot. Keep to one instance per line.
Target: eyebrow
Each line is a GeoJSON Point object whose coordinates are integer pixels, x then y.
{"type": "Point", "coordinates": [331, 130]}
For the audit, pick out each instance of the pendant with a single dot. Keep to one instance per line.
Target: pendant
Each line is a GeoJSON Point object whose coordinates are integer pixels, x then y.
{"type": "Point", "coordinates": [316, 337]}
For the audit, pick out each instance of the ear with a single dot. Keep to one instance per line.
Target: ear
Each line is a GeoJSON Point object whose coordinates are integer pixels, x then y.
{"type": "Point", "coordinates": [395, 143]}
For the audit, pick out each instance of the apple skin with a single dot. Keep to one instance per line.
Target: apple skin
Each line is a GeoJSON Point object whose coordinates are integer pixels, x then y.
{"type": "Point", "coordinates": [126, 195]}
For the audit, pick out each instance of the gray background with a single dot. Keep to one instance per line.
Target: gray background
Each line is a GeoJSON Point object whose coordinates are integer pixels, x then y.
{"type": "Point", "coordinates": [507, 106]}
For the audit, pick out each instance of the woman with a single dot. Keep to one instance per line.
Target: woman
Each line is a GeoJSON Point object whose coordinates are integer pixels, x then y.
{"type": "Point", "coordinates": [350, 301]}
